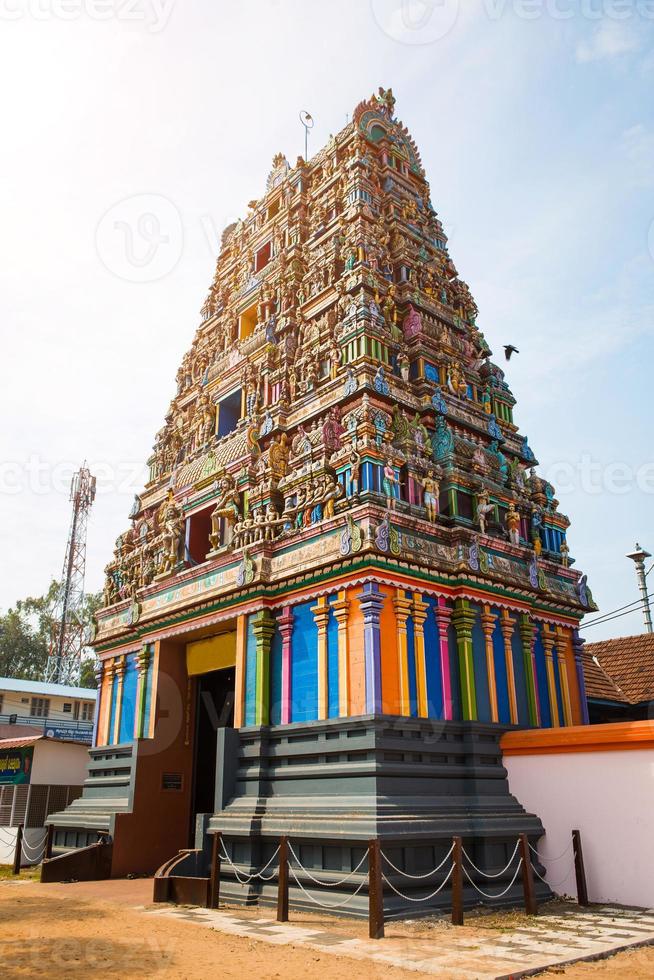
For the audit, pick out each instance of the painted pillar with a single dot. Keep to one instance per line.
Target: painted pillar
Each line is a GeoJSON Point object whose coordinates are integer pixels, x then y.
{"type": "Point", "coordinates": [371, 603]}
{"type": "Point", "coordinates": [99, 675]}
{"type": "Point", "coordinates": [402, 606]}
{"type": "Point", "coordinates": [578, 650]}
{"type": "Point", "coordinates": [239, 682]}
{"type": "Point", "coordinates": [105, 720]}
{"type": "Point", "coordinates": [285, 623]}
{"type": "Point", "coordinates": [341, 608]}
{"type": "Point", "coordinates": [507, 625]}
{"type": "Point", "coordinates": [443, 616]}
{"type": "Point", "coordinates": [488, 620]}
{"type": "Point", "coordinates": [527, 635]}
{"type": "Point", "coordinates": [548, 647]}
{"type": "Point", "coordinates": [563, 673]}
{"type": "Point", "coordinates": [463, 620]}
{"type": "Point", "coordinates": [321, 617]}
{"type": "Point", "coordinates": [142, 664]}
{"type": "Point", "coordinates": [120, 664]}
{"type": "Point", "coordinates": [263, 627]}
{"type": "Point", "coordinates": [419, 616]}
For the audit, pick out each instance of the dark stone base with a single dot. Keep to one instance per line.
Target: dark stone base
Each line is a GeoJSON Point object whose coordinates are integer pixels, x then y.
{"type": "Point", "coordinates": [331, 786]}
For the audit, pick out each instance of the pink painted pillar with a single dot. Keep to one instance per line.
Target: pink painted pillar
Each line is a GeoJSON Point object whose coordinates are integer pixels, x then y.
{"type": "Point", "coordinates": [443, 615]}
{"type": "Point", "coordinates": [285, 623]}
{"type": "Point", "coordinates": [415, 489]}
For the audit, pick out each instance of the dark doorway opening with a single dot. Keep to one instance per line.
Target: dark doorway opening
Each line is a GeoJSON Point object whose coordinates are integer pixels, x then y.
{"type": "Point", "coordinates": [214, 710]}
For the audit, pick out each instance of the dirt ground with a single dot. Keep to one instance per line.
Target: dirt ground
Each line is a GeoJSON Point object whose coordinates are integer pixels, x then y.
{"type": "Point", "coordinates": [65, 931]}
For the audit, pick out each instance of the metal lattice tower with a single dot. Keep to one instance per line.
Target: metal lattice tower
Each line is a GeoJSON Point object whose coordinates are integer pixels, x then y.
{"type": "Point", "coordinates": [67, 640]}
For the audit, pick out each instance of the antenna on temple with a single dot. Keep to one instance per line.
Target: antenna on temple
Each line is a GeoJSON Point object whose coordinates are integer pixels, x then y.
{"type": "Point", "coordinates": [308, 122]}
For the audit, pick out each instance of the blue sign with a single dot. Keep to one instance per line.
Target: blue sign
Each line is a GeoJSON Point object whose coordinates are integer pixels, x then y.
{"type": "Point", "coordinates": [71, 734]}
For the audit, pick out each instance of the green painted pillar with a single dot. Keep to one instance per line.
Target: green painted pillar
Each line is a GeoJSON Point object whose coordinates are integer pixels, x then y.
{"type": "Point", "coordinates": [527, 629]}
{"type": "Point", "coordinates": [463, 620]}
{"type": "Point", "coordinates": [263, 627]}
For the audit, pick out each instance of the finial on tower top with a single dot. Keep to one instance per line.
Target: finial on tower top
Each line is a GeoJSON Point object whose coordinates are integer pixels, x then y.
{"type": "Point", "coordinates": [386, 101]}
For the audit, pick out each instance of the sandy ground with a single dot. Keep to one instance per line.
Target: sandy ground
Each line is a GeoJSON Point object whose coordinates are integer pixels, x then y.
{"type": "Point", "coordinates": [66, 931]}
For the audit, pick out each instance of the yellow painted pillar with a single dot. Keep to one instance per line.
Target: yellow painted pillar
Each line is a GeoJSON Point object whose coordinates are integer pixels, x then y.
{"type": "Point", "coordinates": [488, 620]}
{"type": "Point", "coordinates": [341, 609]}
{"type": "Point", "coordinates": [507, 625]}
{"type": "Point", "coordinates": [548, 647]}
{"type": "Point", "coordinates": [563, 674]}
{"type": "Point", "coordinates": [239, 680]}
{"type": "Point", "coordinates": [419, 609]}
{"type": "Point", "coordinates": [119, 668]}
{"type": "Point", "coordinates": [321, 617]}
{"type": "Point", "coordinates": [402, 605]}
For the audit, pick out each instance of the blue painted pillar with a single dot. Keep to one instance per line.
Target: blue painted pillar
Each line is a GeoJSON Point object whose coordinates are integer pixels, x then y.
{"type": "Point", "coordinates": [578, 648]}
{"type": "Point", "coordinates": [371, 605]}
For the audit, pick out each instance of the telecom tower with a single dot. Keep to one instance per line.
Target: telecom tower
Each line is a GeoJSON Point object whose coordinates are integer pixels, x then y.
{"type": "Point", "coordinates": [67, 639]}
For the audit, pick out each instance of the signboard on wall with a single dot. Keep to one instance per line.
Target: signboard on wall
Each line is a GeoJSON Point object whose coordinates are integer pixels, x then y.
{"type": "Point", "coordinates": [71, 734]}
{"type": "Point", "coordinates": [16, 766]}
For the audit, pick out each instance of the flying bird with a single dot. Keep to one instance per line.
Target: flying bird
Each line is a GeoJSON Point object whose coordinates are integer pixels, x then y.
{"type": "Point", "coordinates": [510, 349]}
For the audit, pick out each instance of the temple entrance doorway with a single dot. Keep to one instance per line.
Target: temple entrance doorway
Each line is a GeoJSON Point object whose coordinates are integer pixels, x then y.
{"type": "Point", "coordinates": [211, 665]}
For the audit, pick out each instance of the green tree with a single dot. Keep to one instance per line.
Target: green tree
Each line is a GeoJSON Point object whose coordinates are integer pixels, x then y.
{"type": "Point", "coordinates": [25, 632]}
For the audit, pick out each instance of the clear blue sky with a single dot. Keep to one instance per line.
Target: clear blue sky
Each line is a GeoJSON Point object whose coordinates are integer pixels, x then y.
{"type": "Point", "coordinates": [535, 124]}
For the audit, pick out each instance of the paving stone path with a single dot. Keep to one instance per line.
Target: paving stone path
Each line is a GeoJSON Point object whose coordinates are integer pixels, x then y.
{"type": "Point", "coordinates": [485, 954]}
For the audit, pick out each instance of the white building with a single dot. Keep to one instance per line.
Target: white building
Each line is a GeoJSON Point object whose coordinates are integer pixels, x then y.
{"type": "Point", "coordinates": [58, 710]}
{"type": "Point", "coordinates": [37, 774]}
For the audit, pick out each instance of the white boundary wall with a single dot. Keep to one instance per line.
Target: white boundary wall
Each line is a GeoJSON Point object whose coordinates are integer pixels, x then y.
{"type": "Point", "coordinates": [609, 797]}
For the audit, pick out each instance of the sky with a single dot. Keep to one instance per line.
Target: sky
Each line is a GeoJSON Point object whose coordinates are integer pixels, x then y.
{"type": "Point", "coordinates": [134, 131]}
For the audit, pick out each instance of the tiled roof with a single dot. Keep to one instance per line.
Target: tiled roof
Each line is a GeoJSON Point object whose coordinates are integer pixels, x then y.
{"type": "Point", "coordinates": [621, 669]}
{"type": "Point", "coordinates": [19, 743]}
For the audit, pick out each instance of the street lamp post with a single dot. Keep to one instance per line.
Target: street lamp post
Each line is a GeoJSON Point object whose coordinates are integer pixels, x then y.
{"type": "Point", "coordinates": [638, 558]}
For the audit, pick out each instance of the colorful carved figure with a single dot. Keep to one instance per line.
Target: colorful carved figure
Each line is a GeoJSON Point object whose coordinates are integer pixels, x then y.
{"type": "Point", "coordinates": [431, 488]}
{"type": "Point", "coordinates": [513, 524]}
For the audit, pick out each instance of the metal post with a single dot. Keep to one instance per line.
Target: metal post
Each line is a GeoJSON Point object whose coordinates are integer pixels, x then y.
{"type": "Point", "coordinates": [375, 891]}
{"type": "Point", "coordinates": [49, 841]}
{"type": "Point", "coordinates": [580, 872]}
{"type": "Point", "coordinates": [214, 880]}
{"type": "Point", "coordinates": [531, 905]}
{"type": "Point", "coordinates": [457, 882]}
{"type": "Point", "coordinates": [638, 558]}
{"type": "Point", "coordinates": [17, 854]}
{"type": "Point", "coordinates": [282, 881]}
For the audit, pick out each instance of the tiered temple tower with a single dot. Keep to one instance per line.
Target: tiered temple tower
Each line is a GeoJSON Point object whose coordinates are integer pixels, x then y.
{"type": "Point", "coordinates": [344, 537]}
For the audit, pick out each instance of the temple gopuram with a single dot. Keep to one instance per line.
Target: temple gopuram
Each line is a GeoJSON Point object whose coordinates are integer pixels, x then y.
{"type": "Point", "coordinates": [345, 579]}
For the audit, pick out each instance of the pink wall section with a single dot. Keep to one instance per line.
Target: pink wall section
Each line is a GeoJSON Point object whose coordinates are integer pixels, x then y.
{"type": "Point", "coordinates": [607, 793]}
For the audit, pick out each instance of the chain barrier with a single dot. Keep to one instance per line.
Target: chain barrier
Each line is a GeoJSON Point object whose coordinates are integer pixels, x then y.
{"type": "Point", "coordinates": [322, 905]}
{"type": "Point", "coordinates": [552, 884]}
{"type": "Point", "coordinates": [500, 894]}
{"type": "Point", "coordinates": [246, 879]}
{"type": "Point", "coordinates": [9, 842]}
{"type": "Point", "coordinates": [485, 874]}
{"type": "Point", "coordinates": [544, 857]}
{"type": "Point", "coordinates": [406, 874]}
{"type": "Point", "coordinates": [426, 898]}
{"type": "Point", "coordinates": [39, 849]}
{"type": "Point", "coordinates": [318, 881]}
